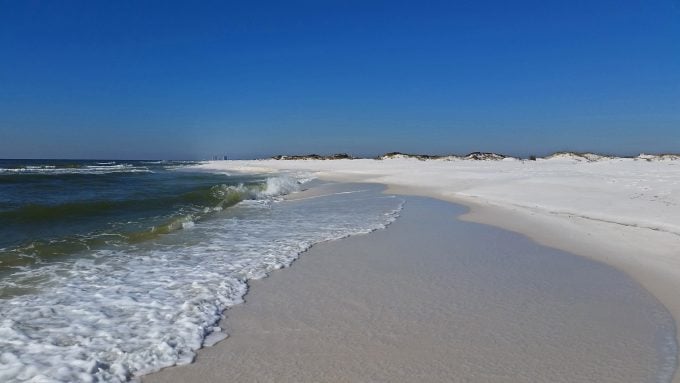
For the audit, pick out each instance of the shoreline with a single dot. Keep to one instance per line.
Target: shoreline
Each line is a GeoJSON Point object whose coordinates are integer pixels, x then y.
{"type": "Point", "coordinates": [646, 254]}
{"type": "Point", "coordinates": [298, 311]}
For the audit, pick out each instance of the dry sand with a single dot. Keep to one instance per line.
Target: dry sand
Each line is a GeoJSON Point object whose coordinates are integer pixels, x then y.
{"type": "Point", "coordinates": [432, 298]}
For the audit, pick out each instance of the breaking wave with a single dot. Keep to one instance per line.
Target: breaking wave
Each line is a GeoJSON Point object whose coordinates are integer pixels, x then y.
{"type": "Point", "coordinates": [188, 208]}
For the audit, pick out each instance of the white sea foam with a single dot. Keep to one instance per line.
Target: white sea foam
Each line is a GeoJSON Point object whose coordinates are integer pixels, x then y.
{"type": "Point", "coordinates": [280, 185]}
{"type": "Point", "coordinates": [100, 168]}
{"type": "Point", "coordinates": [116, 314]}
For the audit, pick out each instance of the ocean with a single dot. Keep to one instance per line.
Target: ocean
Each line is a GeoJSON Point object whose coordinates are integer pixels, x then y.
{"type": "Point", "coordinates": [113, 269]}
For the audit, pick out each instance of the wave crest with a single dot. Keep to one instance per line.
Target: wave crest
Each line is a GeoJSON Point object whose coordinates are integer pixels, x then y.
{"type": "Point", "coordinates": [187, 209]}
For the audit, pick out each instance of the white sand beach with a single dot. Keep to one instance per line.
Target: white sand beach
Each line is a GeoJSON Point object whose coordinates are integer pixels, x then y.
{"type": "Point", "coordinates": [623, 212]}
{"type": "Point", "coordinates": [435, 299]}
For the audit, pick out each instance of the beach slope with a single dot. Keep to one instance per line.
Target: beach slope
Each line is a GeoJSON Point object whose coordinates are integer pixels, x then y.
{"type": "Point", "coordinates": [435, 299]}
{"type": "Point", "coordinates": [621, 211]}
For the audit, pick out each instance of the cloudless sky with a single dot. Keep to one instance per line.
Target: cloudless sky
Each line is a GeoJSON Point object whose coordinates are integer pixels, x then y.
{"type": "Point", "coordinates": [165, 79]}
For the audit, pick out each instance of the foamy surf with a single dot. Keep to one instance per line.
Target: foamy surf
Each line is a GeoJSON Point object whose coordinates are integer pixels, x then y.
{"type": "Point", "coordinates": [113, 314]}
{"type": "Point", "coordinates": [100, 168]}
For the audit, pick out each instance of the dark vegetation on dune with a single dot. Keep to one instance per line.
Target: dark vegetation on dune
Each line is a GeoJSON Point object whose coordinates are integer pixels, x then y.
{"type": "Point", "coordinates": [484, 156]}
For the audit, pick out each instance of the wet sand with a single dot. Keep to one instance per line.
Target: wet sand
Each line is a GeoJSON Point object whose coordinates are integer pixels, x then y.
{"type": "Point", "coordinates": [433, 298]}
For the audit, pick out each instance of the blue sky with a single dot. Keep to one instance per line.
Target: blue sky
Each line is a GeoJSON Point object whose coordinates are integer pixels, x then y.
{"type": "Point", "coordinates": [164, 79]}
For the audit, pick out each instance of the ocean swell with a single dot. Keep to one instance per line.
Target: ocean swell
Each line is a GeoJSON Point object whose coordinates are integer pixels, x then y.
{"type": "Point", "coordinates": [117, 226]}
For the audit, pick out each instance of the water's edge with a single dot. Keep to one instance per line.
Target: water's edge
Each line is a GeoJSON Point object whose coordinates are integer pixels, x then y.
{"type": "Point", "coordinates": [665, 342]}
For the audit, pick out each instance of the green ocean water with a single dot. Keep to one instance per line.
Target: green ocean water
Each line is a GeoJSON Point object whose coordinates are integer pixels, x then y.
{"type": "Point", "coordinates": [55, 208]}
